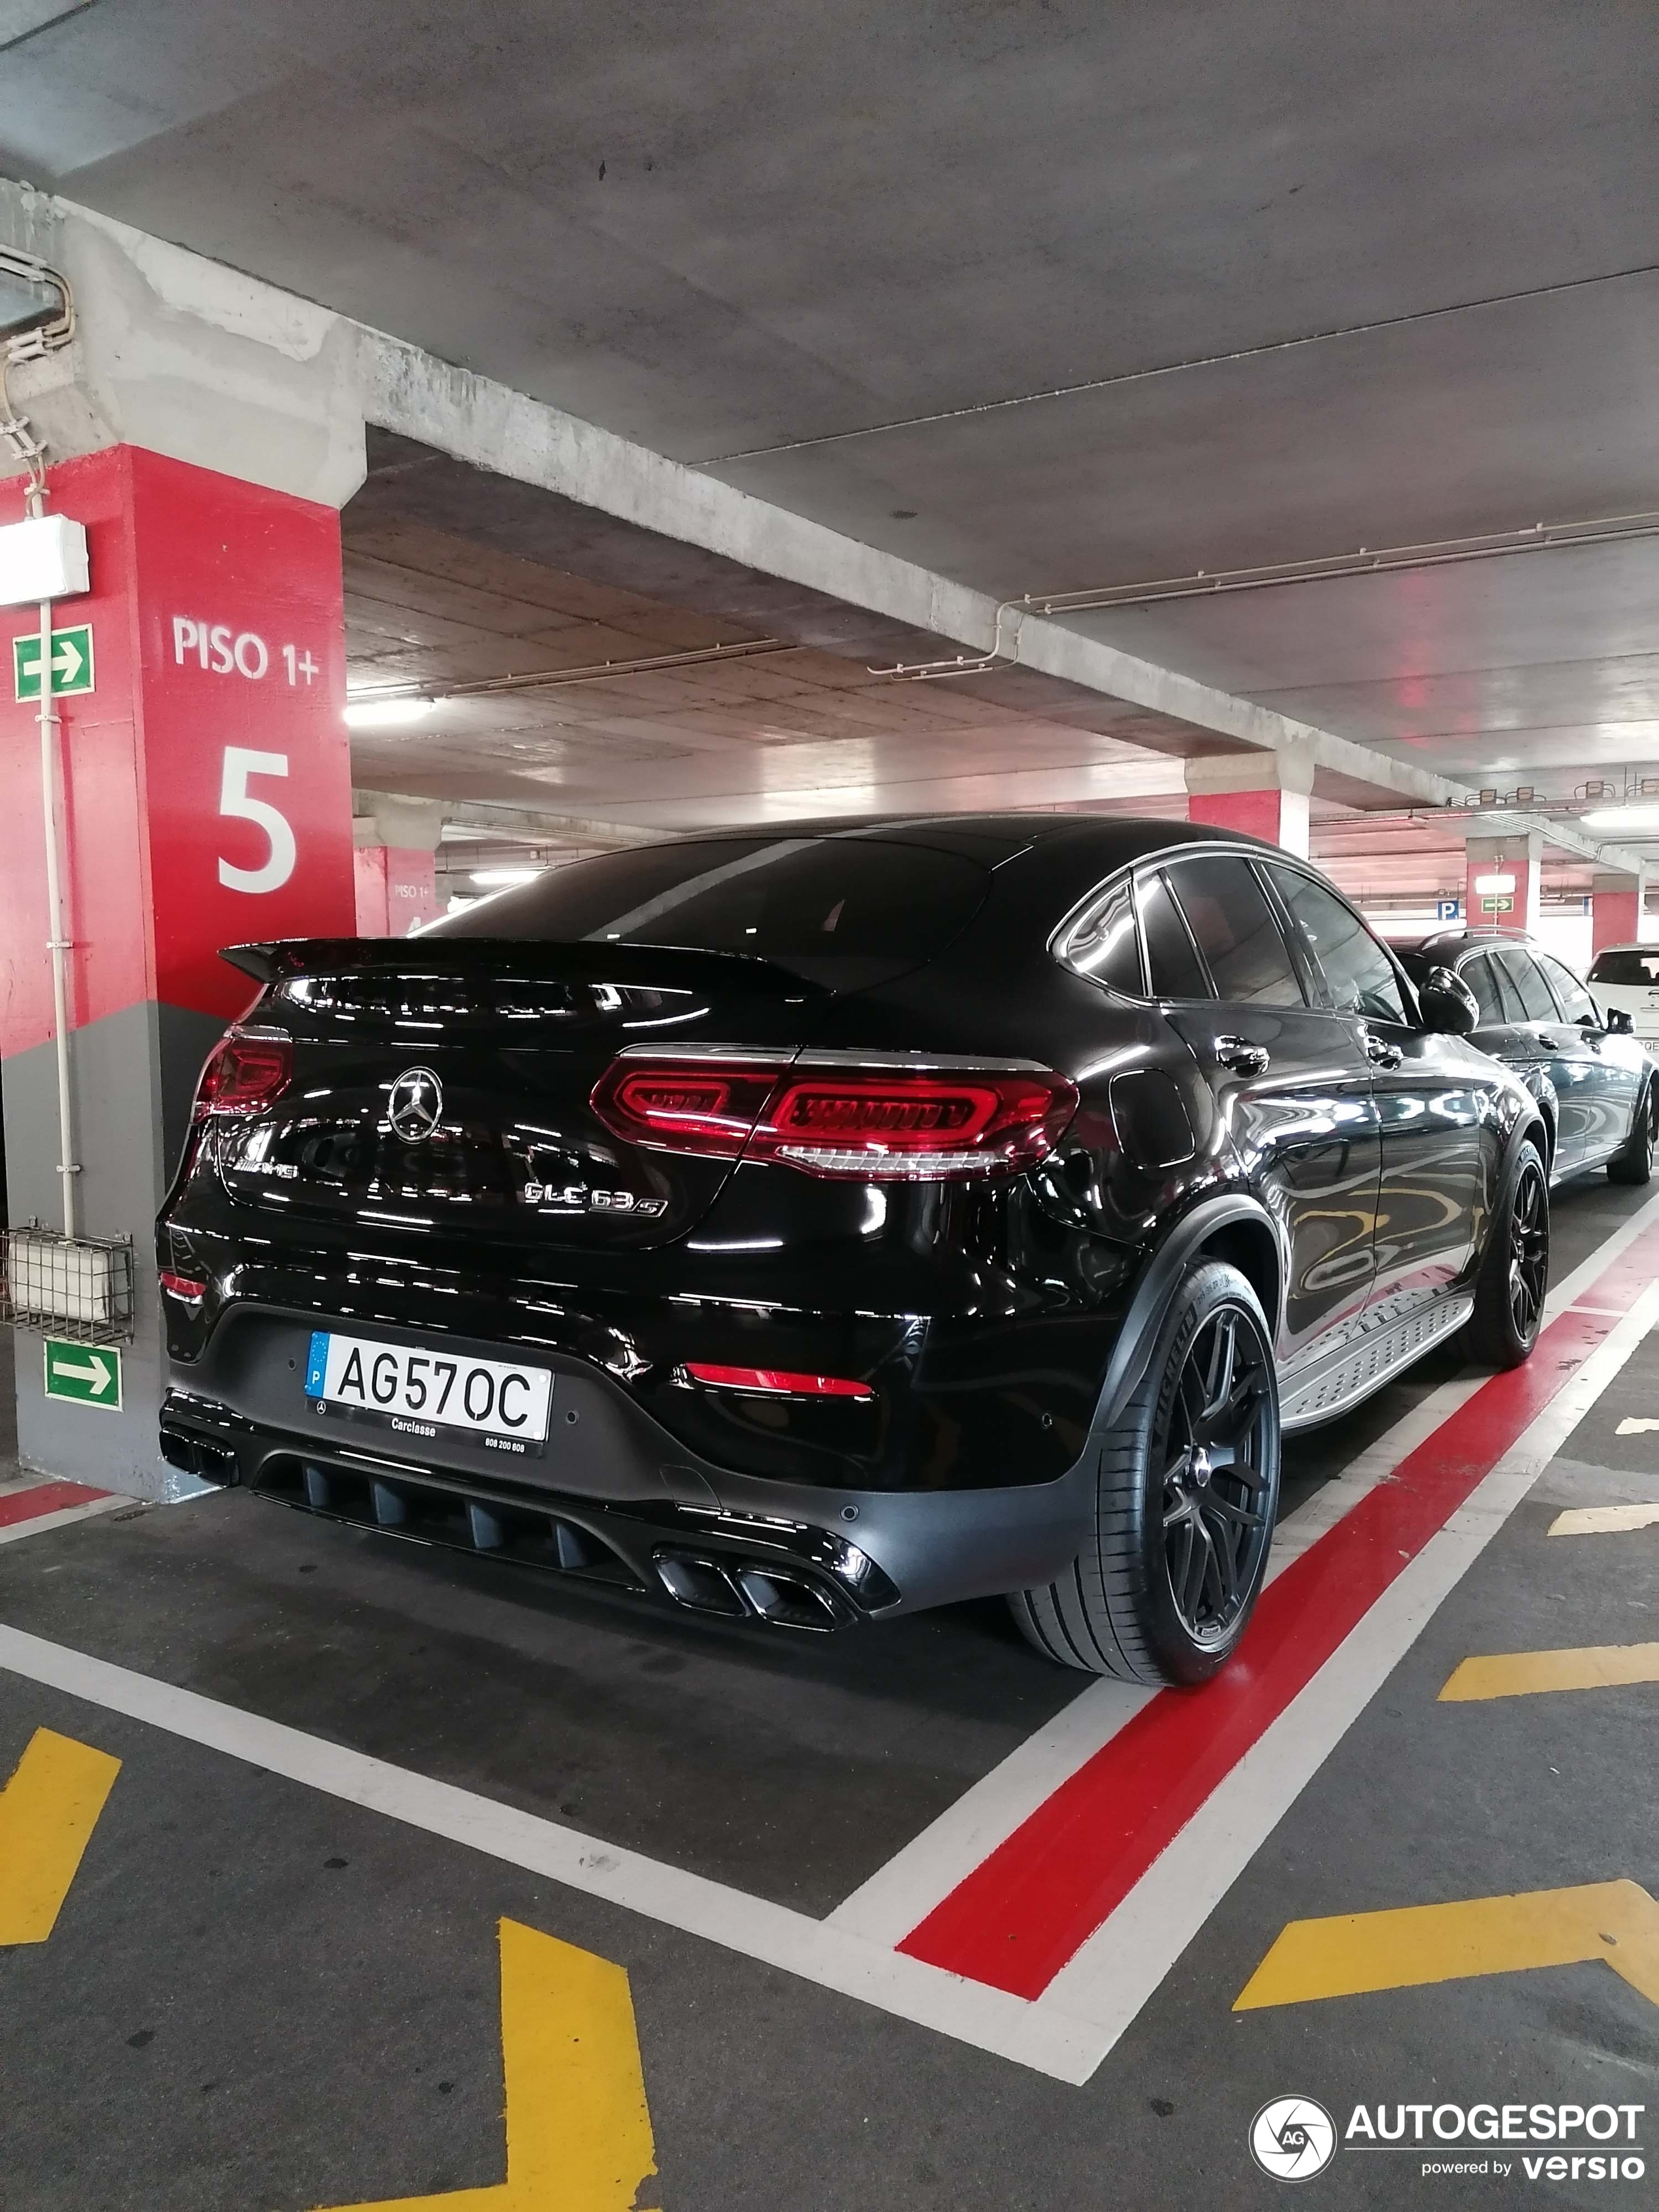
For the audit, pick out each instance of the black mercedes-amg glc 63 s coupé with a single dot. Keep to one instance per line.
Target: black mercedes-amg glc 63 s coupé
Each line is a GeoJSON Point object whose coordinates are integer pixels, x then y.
{"type": "Point", "coordinates": [822, 1222]}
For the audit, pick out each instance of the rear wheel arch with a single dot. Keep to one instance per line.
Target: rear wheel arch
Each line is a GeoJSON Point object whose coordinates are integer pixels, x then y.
{"type": "Point", "coordinates": [1249, 1244]}
{"type": "Point", "coordinates": [1544, 1137]}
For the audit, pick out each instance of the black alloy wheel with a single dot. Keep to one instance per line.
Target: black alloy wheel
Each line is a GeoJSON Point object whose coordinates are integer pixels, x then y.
{"type": "Point", "coordinates": [1529, 1251]}
{"type": "Point", "coordinates": [1186, 1497]}
{"type": "Point", "coordinates": [1515, 1267]}
{"type": "Point", "coordinates": [1217, 1474]}
{"type": "Point", "coordinates": [1633, 1162]}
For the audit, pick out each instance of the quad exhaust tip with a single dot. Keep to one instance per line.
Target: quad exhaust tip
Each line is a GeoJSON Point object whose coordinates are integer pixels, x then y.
{"type": "Point", "coordinates": [740, 1591]}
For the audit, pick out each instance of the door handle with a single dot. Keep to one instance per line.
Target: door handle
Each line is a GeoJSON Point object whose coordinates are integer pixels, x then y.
{"type": "Point", "coordinates": [1242, 1056]}
{"type": "Point", "coordinates": [1381, 1054]}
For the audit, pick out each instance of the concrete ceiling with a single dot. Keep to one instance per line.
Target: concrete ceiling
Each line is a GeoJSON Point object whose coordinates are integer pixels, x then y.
{"type": "Point", "coordinates": [1043, 298]}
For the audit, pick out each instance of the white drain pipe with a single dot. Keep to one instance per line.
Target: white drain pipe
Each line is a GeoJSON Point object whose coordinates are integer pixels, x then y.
{"type": "Point", "coordinates": [58, 941]}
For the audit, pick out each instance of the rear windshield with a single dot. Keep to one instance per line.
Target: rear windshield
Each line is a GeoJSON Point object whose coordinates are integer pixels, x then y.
{"type": "Point", "coordinates": [779, 898]}
{"type": "Point", "coordinates": [1626, 966]}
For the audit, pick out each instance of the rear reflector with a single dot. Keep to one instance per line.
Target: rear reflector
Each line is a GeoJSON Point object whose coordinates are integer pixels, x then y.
{"type": "Point", "coordinates": [776, 1379]}
{"type": "Point", "coordinates": [184, 1287]}
{"type": "Point", "coordinates": [244, 1074]}
{"type": "Point", "coordinates": [870, 1124]}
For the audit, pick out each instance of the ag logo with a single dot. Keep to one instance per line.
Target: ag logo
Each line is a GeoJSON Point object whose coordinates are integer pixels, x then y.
{"type": "Point", "coordinates": [416, 1105]}
{"type": "Point", "coordinates": [1293, 2139]}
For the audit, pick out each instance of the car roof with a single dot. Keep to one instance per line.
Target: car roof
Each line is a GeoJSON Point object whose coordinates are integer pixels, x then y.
{"type": "Point", "coordinates": [1111, 841]}
{"type": "Point", "coordinates": [1452, 944]}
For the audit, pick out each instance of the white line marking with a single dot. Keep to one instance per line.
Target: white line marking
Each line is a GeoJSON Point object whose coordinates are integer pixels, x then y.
{"type": "Point", "coordinates": [1123, 1963]}
{"type": "Point", "coordinates": [773, 1934]}
{"type": "Point", "coordinates": [1636, 1424]}
{"type": "Point", "coordinates": [1604, 1519]}
{"type": "Point", "coordinates": [15, 1531]}
{"type": "Point", "coordinates": [900, 1895]}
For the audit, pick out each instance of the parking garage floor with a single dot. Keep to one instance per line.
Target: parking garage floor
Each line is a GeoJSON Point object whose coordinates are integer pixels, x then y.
{"type": "Point", "coordinates": [324, 1858]}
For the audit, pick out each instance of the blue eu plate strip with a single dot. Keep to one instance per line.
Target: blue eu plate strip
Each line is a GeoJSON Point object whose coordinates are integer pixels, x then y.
{"type": "Point", "coordinates": [317, 1363]}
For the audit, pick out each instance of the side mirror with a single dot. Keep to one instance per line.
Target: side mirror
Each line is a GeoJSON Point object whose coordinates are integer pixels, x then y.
{"type": "Point", "coordinates": [1617, 1022]}
{"type": "Point", "coordinates": [1449, 1006]}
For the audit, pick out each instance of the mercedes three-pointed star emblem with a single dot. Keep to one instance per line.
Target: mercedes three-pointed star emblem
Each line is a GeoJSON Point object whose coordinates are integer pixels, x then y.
{"type": "Point", "coordinates": [416, 1105]}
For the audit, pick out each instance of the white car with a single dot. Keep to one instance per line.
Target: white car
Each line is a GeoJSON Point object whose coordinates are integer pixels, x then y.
{"type": "Point", "coordinates": [1627, 975]}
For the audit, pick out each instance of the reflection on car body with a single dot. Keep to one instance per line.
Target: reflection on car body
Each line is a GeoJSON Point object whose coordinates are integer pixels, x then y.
{"type": "Point", "coordinates": [1591, 1076]}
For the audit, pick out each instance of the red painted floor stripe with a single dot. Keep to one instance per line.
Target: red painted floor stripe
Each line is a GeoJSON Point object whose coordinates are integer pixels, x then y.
{"type": "Point", "coordinates": [44, 1497]}
{"type": "Point", "coordinates": [1030, 1907]}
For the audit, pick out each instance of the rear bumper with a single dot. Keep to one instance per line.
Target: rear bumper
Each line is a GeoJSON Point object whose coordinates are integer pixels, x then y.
{"type": "Point", "coordinates": [617, 1499]}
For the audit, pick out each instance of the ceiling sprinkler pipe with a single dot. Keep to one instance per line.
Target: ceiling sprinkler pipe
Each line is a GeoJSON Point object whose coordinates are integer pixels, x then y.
{"type": "Point", "coordinates": [1207, 583]}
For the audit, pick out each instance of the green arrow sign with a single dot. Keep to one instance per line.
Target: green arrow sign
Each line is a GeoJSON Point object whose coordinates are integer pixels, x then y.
{"type": "Point", "coordinates": [71, 661]}
{"type": "Point", "coordinates": [86, 1374]}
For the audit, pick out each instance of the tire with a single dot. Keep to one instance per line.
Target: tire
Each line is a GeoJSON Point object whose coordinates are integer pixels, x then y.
{"type": "Point", "coordinates": [1116, 1610]}
{"type": "Point", "coordinates": [1634, 1163]}
{"type": "Point", "coordinates": [1509, 1290]}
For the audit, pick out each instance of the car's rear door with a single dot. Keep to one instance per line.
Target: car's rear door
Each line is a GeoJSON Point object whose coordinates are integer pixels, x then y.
{"type": "Point", "coordinates": [1616, 1064]}
{"type": "Point", "coordinates": [1291, 1079]}
{"type": "Point", "coordinates": [1563, 1053]}
{"type": "Point", "coordinates": [1438, 1158]}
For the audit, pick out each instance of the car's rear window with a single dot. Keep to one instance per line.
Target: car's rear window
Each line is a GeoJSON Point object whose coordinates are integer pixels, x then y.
{"type": "Point", "coordinates": [780, 899]}
{"type": "Point", "coordinates": [1631, 967]}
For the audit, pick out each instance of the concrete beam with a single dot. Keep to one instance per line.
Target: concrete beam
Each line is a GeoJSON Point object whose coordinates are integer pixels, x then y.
{"type": "Point", "coordinates": [185, 357]}
{"type": "Point", "coordinates": [479, 421]}
{"type": "Point", "coordinates": [1565, 836]}
{"type": "Point", "coordinates": [179, 354]}
{"type": "Point", "coordinates": [529, 822]}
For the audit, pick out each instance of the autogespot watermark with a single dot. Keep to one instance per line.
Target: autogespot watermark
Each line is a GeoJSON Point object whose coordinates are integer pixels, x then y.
{"type": "Point", "coordinates": [1293, 2138]}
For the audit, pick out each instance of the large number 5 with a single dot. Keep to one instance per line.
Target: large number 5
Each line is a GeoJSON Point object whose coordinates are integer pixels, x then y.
{"type": "Point", "coordinates": [235, 798]}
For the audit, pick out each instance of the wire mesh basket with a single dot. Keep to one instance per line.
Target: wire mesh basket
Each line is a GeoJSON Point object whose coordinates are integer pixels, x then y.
{"type": "Point", "coordinates": [79, 1289]}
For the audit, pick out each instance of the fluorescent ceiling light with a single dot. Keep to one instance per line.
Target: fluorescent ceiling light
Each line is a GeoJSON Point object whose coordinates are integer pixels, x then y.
{"type": "Point", "coordinates": [500, 879]}
{"type": "Point", "coordinates": [387, 713]}
{"type": "Point", "coordinates": [1494, 885]}
{"type": "Point", "coordinates": [1639, 818]}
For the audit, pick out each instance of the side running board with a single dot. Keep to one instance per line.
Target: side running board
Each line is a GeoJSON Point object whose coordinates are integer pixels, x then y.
{"type": "Point", "coordinates": [1358, 1368]}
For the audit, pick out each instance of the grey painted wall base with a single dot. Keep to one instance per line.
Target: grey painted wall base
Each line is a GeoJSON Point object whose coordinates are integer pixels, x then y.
{"type": "Point", "coordinates": [134, 1075]}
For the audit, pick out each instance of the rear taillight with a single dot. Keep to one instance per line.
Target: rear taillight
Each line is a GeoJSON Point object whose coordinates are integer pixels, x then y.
{"type": "Point", "coordinates": [775, 1382]}
{"type": "Point", "coordinates": [682, 1104]}
{"type": "Point", "coordinates": [871, 1123]}
{"type": "Point", "coordinates": [186, 1288]}
{"type": "Point", "coordinates": [913, 1127]}
{"type": "Point", "coordinates": [243, 1075]}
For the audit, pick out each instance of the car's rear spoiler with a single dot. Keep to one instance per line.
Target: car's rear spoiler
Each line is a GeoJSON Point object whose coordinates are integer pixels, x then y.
{"type": "Point", "coordinates": [663, 967]}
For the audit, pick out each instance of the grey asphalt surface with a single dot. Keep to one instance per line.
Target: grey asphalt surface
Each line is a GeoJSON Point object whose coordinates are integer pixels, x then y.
{"type": "Point", "coordinates": [258, 1997]}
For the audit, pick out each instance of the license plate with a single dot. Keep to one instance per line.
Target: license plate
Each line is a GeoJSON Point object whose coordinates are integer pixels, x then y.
{"type": "Point", "coordinates": [415, 1393]}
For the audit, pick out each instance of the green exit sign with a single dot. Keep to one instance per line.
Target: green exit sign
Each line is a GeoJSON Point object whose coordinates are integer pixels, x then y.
{"type": "Point", "coordinates": [84, 1374]}
{"type": "Point", "coordinates": [1497, 903]}
{"type": "Point", "coordinates": [71, 661]}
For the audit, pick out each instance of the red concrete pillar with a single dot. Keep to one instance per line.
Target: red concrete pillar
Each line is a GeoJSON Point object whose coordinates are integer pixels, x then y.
{"type": "Point", "coordinates": [1615, 910]}
{"type": "Point", "coordinates": [396, 889]}
{"type": "Point", "coordinates": [206, 801]}
{"type": "Point", "coordinates": [1280, 817]}
{"type": "Point", "coordinates": [1501, 881]}
{"type": "Point", "coordinates": [1258, 794]}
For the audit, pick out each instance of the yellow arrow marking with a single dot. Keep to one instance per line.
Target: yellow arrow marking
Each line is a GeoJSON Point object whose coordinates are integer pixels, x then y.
{"type": "Point", "coordinates": [48, 1811]}
{"type": "Point", "coordinates": [1355, 1952]}
{"type": "Point", "coordinates": [578, 2129]}
{"type": "Point", "coordinates": [1603, 1520]}
{"type": "Point", "coordinates": [1523, 1674]}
